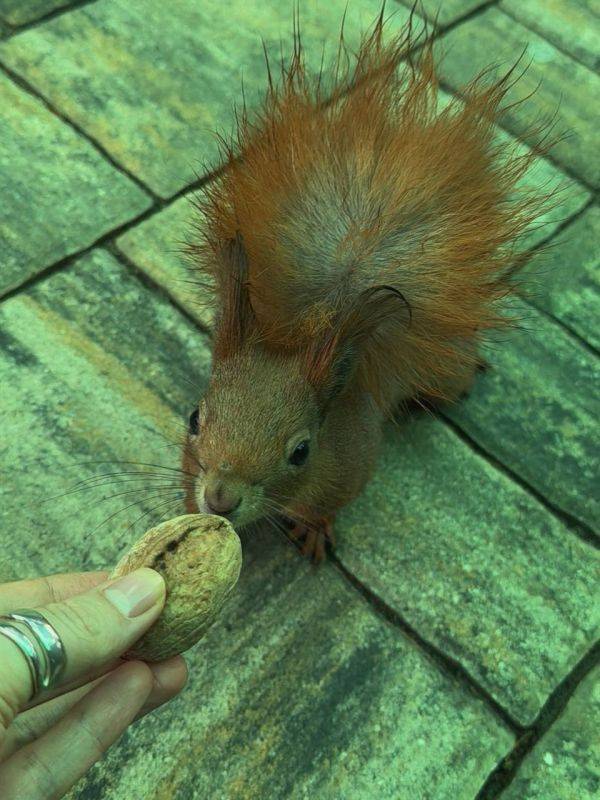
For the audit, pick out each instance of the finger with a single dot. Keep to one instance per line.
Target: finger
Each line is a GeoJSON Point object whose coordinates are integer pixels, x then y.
{"type": "Point", "coordinates": [47, 768]}
{"type": "Point", "coordinates": [51, 589]}
{"type": "Point", "coordinates": [169, 678]}
{"type": "Point", "coordinates": [81, 680]}
{"type": "Point", "coordinates": [95, 628]}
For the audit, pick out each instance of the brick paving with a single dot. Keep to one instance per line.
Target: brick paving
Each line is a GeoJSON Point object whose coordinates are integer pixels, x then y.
{"type": "Point", "coordinates": [452, 653]}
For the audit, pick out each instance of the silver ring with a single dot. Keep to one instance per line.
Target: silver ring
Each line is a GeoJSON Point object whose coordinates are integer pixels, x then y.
{"type": "Point", "coordinates": [40, 644]}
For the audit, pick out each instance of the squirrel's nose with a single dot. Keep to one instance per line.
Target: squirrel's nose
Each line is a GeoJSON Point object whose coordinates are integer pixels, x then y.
{"type": "Point", "coordinates": [220, 501]}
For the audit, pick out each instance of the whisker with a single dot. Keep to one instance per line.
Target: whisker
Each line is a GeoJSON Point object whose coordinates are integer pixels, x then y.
{"type": "Point", "coordinates": [150, 511]}
{"type": "Point", "coordinates": [147, 487]}
{"type": "Point", "coordinates": [137, 502]}
{"type": "Point", "coordinates": [132, 463]}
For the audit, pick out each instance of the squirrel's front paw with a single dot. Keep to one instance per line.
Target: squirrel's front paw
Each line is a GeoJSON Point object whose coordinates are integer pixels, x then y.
{"type": "Point", "coordinates": [313, 536]}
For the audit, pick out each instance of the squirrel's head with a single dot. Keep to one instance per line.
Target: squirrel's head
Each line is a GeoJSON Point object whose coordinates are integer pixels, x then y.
{"type": "Point", "coordinates": [256, 440]}
{"type": "Point", "coordinates": [253, 439]}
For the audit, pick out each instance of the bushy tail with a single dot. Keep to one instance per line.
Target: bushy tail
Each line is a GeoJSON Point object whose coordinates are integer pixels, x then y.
{"type": "Point", "coordinates": [353, 181]}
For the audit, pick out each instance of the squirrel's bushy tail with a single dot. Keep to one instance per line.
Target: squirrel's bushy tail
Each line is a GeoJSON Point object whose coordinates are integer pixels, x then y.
{"type": "Point", "coordinates": [348, 184]}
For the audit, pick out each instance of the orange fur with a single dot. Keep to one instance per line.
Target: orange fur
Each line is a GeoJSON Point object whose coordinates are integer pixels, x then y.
{"type": "Point", "coordinates": [364, 208]}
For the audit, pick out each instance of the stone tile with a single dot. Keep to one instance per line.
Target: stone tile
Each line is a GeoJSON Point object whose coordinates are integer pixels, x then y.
{"type": "Point", "coordinates": [53, 210]}
{"type": "Point", "coordinates": [566, 87]}
{"type": "Point", "coordinates": [571, 25]}
{"type": "Point", "coordinates": [153, 82]}
{"type": "Point", "coordinates": [156, 246]}
{"type": "Point", "coordinates": [475, 564]}
{"type": "Point", "coordinates": [301, 690]}
{"type": "Point", "coordinates": [94, 367]}
{"type": "Point", "coordinates": [565, 763]}
{"type": "Point", "coordinates": [446, 11]}
{"type": "Point", "coordinates": [537, 410]}
{"type": "Point", "coordinates": [565, 279]}
{"type": "Point", "coordinates": [18, 12]}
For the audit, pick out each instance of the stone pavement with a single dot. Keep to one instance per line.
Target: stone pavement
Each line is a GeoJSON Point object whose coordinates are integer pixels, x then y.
{"type": "Point", "coordinates": [451, 653]}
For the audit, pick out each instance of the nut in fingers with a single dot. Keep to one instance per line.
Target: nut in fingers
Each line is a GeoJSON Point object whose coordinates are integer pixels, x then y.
{"type": "Point", "coordinates": [200, 558]}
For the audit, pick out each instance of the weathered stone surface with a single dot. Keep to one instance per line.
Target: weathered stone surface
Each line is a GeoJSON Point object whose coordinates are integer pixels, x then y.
{"type": "Point", "coordinates": [537, 410]}
{"type": "Point", "coordinates": [18, 12]}
{"type": "Point", "coordinates": [571, 25]}
{"type": "Point", "coordinates": [475, 564]}
{"type": "Point", "coordinates": [565, 763]}
{"type": "Point", "coordinates": [565, 279]}
{"type": "Point", "coordinates": [156, 246]}
{"type": "Point", "coordinates": [94, 367]}
{"type": "Point", "coordinates": [446, 11]}
{"type": "Point", "coordinates": [152, 82]}
{"type": "Point", "coordinates": [60, 194]}
{"type": "Point", "coordinates": [566, 86]}
{"type": "Point", "coordinates": [300, 690]}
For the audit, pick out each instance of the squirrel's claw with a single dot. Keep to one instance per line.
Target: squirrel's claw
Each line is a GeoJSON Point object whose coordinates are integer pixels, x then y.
{"type": "Point", "coordinates": [314, 536]}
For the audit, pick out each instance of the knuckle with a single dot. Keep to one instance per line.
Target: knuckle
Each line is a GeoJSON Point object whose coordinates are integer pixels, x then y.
{"type": "Point", "coordinates": [39, 774]}
{"type": "Point", "coordinates": [93, 741]}
{"type": "Point", "coordinates": [8, 711]}
{"type": "Point", "coordinates": [88, 627]}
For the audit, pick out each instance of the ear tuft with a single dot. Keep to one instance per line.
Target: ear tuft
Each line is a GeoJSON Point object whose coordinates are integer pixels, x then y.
{"type": "Point", "coordinates": [236, 317]}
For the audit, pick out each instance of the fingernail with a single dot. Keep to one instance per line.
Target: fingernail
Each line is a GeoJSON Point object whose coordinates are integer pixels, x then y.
{"type": "Point", "coordinates": [137, 592]}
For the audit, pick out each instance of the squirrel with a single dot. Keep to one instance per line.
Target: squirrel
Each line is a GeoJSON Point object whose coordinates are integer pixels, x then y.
{"type": "Point", "coordinates": [356, 248]}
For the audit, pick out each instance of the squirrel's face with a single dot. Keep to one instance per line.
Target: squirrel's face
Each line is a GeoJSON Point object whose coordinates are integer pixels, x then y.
{"type": "Point", "coordinates": [253, 438]}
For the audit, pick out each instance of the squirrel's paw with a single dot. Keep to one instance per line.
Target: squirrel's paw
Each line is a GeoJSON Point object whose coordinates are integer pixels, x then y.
{"type": "Point", "coordinates": [313, 537]}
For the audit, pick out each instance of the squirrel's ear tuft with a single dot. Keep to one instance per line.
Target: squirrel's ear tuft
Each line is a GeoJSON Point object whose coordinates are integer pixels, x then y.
{"type": "Point", "coordinates": [333, 357]}
{"type": "Point", "coordinates": [236, 314]}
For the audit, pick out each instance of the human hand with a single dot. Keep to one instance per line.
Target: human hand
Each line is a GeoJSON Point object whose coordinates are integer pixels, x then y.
{"type": "Point", "coordinates": [47, 743]}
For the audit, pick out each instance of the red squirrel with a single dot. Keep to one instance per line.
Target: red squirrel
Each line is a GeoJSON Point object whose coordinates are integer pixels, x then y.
{"type": "Point", "coordinates": [356, 247]}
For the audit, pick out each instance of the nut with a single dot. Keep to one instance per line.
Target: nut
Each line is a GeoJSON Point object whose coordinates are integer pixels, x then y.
{"type": "Point", "coordinates": [200, 557]}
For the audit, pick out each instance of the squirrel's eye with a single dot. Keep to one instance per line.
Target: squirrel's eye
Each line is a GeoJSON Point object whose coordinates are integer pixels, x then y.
{"type": "Point", "coordinates": [300, 454]}
{"type": "Point", "coordinates": [194, 419]}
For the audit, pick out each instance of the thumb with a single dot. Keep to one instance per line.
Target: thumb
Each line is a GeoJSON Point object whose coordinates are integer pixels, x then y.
{"type": "Point", "coordinates": [95, 628]}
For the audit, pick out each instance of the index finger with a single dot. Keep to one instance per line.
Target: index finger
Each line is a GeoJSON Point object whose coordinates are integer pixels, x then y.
{"type": "Point", "coordinates": [36, 592]}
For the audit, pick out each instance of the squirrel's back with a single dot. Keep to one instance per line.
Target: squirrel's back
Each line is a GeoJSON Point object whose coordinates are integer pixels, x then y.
{"type": "Point", "coordinates": [363, 199]}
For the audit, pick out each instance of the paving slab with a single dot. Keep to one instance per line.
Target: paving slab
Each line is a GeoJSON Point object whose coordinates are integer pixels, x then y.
{"type": "Point", "coordinates": [156, 246]}
{"type": "Point", "coordinates": [572, 25]}
{"type": "Point", "coordinates": [564, 280]}
{"type": "Point", "coordinates": [153, 82]}
{"type": "Point", "coordinates": [475, 564]}
{"type": "Point", "coordinates": [565, 763]}
{"type": "Point", "coordinates": [302, 690]}
{"type": "Point", "coordinates": [566, 87]}
{"type": "Point", "coordinates": [537, 410]}
{"type": "Point", "coordinates": [52, 210]}
{"type": "Point", "coordinates": [18, 12]}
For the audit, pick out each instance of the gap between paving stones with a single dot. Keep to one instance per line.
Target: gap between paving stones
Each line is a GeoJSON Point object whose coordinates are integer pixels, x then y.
{"type": "Point", "coordinates": [501, 777]}
{"type": "Point", "coordinates": [554, 44]}
{"type": "Point", "coordinates": [439, 657]}
{"type": "Point", "coordinates": [12, 30]}
{"type": "Point", "coordinates": [574, 525]}
{"type": "Point", "coordinates": [527, 736]}
{"type": "Point", "coordinates": [25, 86]}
